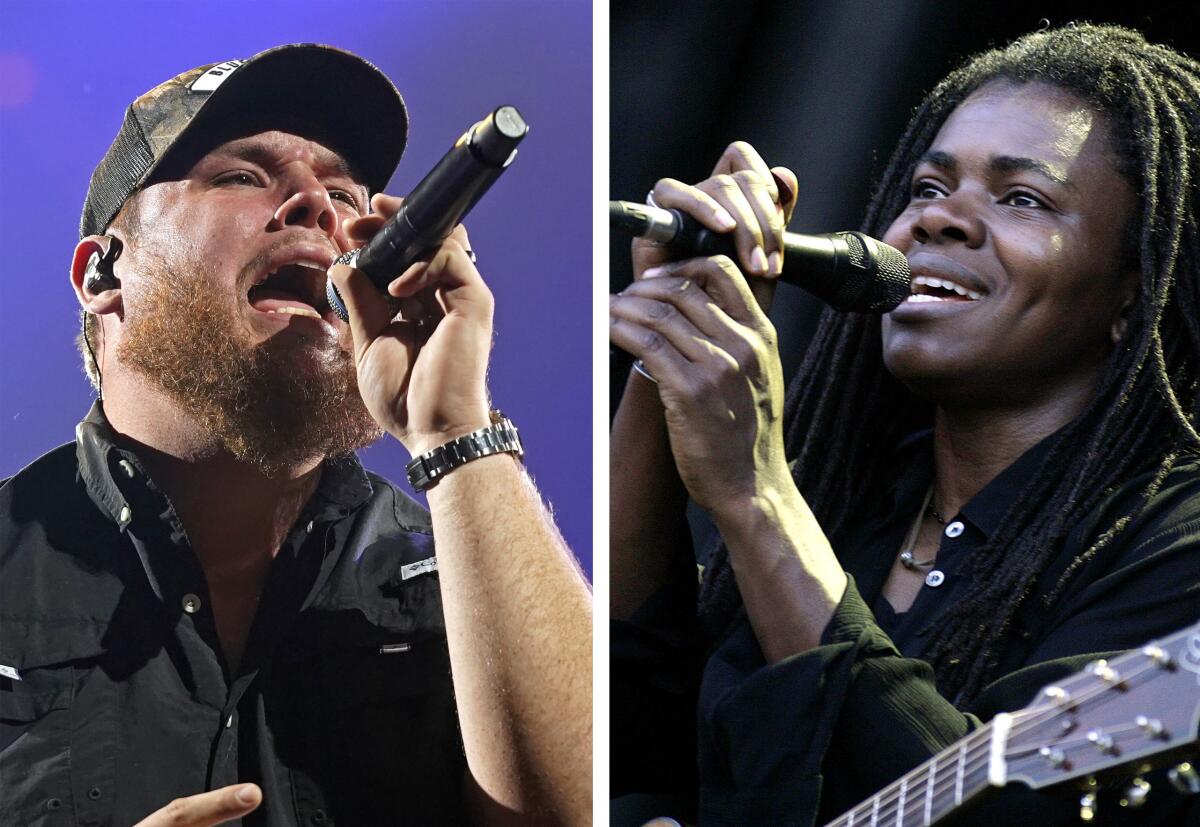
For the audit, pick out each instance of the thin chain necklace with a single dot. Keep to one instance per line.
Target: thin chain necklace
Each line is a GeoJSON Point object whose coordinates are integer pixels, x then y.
{"type": "Point", "coordinates": [907, 558]}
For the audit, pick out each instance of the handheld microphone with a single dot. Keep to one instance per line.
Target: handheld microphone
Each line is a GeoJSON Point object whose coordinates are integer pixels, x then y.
{"type": "Point", "coordinates": [438, 204]}
{"type": "Point", "coordinates": [848, 270]}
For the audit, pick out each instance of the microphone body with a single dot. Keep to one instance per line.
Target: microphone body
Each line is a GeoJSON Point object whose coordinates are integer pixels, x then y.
{"type": "Point", "coordinates": [438, 203]}
{"type": "Point", "coordinates": [849, 270]}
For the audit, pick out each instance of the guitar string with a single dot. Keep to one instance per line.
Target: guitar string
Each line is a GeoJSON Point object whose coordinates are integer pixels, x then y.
{"type": "Point", "coordinates": [1021, 725]}
{"type": "Point", "coordinates": [981, 750]}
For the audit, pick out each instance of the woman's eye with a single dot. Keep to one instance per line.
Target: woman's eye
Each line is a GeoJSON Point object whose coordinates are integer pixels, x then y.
{"type": "Point", "coordinates": [1024, 199]}
{"type": "Point", "coordinates": [924, 189]}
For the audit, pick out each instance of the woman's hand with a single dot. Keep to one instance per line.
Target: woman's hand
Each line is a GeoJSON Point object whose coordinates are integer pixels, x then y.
{"type": "Point", "coordinates": [702, 335]}
{"type": "Point", "coordinates": [700, 328]}
{"type": "Point", "coordinates": [742, 196]}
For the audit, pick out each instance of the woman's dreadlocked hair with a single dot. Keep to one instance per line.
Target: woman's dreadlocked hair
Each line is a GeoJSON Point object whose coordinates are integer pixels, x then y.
{"type": "Point", "coordinates": [1144, 412]}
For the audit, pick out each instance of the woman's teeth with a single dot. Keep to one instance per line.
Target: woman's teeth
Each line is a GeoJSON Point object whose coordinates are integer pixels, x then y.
{"type": "Point", "coordinates": [936, 283]}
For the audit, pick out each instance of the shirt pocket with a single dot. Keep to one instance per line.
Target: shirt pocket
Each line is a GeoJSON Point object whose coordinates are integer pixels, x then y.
{"type": "Point", "coordinates": [342, 659]}
{"type": "Point", "coordinates": [28, 701]}
{"type": "Point", "coordinates": [368, 706]}
{"type": "Point", "coordinates": [39, 730]}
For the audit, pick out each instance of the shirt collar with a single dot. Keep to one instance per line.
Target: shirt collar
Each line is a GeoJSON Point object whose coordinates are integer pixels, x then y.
{"type": "Point", "coordinates": [119, 484]}
{"type": "Point", "coordinates": [986, 510]}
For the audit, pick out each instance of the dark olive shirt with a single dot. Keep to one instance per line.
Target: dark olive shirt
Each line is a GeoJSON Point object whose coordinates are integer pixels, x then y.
{"type": "Point", "coordinates": [115, 697]}
{"type": "Point", "coordinates": [716, 731]}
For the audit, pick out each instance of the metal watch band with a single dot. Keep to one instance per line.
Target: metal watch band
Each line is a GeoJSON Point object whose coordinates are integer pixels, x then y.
{"type": "Point", "coordinates": [500, 437]}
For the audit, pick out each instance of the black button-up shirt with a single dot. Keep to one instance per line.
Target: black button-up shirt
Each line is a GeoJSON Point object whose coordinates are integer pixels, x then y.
{"type": "Point", "coordinates": [115, 697]}
{"type": "Point", "coordinates": [799, 741]}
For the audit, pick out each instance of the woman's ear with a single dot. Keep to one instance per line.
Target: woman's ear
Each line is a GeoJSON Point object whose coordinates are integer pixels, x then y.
{"type": "Point", "coordinates": [1130, 292]}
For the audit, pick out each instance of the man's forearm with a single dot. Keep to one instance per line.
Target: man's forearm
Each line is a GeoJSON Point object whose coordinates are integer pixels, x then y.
{"type": "Point", "coordinates": [519, 624]}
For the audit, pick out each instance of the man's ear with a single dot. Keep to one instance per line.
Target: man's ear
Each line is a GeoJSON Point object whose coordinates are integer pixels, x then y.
{"type": "Point", "coordinates": [92, 275]}
{"type": "Point", "coordinates": [1129, 289]}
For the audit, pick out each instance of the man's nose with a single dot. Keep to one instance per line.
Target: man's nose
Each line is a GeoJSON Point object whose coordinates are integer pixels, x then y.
{"type": "Point", "coordinates": [308, 206]}
{"type": "Point", "coordinates": [953, 218]}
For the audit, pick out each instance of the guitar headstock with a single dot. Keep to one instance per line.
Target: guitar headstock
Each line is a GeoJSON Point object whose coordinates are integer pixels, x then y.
{"type": "Point", "coordinates": [1137, 708]}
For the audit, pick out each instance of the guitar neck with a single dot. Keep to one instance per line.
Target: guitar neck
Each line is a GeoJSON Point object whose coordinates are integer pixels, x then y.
{"type": "Point", "coordinates": [1143, 705]}
{"type": "Point", "coordinates": [940, 785]}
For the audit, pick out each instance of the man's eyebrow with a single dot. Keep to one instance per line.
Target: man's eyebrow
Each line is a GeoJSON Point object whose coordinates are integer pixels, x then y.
{"type": "Point", "coordinates": [1000, 164]}
{"type": "Point", "coordinates": [258, 152]}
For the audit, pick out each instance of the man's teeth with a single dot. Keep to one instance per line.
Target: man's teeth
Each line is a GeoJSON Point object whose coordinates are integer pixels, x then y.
{"type": "Point", "coordinates": [929, 281]}
{"type": "Point", "coordinates": [316, 265]}
{"type": "Point", "coordinates": [297, 311]}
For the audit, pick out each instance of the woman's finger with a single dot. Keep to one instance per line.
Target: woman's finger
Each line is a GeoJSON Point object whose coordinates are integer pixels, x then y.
{"type": "Point", "coordinates": [748, 235]}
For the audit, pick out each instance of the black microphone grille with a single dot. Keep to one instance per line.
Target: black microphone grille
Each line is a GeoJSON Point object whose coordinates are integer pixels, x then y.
{"type": "Point", "coordinates": [892, 282]}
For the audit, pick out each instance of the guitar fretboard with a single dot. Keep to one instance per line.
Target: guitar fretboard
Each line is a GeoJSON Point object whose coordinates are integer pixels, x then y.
{"type": "Point", "coordinates": [932, 790]}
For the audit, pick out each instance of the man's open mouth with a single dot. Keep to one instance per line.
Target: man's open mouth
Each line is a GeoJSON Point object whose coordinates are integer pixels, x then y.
{"type": "Point", "coordinates": [296, 289]}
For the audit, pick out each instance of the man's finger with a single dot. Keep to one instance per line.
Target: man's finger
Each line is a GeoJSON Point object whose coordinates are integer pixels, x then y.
{"type": "Point", "coordinates": [384, 204]}
{"type": "Point", "coordinates": [360, 230]}
{"type": "Point", "coordinates": [369, 310]}
{"type": "Point", "coordinates": [206, 809]}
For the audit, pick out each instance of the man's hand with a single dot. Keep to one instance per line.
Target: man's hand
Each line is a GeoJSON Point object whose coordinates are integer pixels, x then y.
{"type": "Point", "coordinates": [206, 809]}
{"type": "Point", "coordinates": [422, 374]}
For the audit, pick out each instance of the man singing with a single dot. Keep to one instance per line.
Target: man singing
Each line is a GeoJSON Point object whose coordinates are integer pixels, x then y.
{"type": "Point", "coordinates": [206, 588]}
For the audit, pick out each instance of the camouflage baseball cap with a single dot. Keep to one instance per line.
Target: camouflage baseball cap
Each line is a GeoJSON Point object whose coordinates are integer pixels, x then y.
{"type": "Point", "coordinates": [329, 94]}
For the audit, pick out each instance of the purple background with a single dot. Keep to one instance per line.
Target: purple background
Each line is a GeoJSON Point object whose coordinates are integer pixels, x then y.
{"type": "Point", "coordinates": [68, 70]}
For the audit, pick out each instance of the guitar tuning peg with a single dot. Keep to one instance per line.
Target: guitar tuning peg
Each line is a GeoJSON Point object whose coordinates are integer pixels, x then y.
{"type": "Point", "coordinates": [1087, 807]}
{"type": "Point", "coordinates": [1184, 778]}
{"type": "Point", "coordinates": [1136, 792]}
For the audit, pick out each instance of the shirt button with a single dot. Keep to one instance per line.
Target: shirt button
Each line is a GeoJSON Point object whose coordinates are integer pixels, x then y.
{"type": "Point", "coordinates": [934, 579]}
{"type": "Point", "coordinates": [318, 817]}
{"type": "Point", "coordinates": [127, 467]}
{"type": "Point", "coordinates": [954, 529]}
{"type": "Point", "coordinates": [53, 803]}
{"type": "Point", "coordinates": [191, 604]}
{"type": "Point", "coordinates": [125, 516]}
{"type": "Point", "coordinates": [94, 793]}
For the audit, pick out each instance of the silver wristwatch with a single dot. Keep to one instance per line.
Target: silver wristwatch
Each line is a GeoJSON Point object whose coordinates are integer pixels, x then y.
{"type": "Point", "coordinates": [498, 438]}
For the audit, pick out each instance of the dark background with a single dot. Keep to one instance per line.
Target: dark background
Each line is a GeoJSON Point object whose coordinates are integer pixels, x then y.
{"type": "Point", "coordinates": [824, 88]}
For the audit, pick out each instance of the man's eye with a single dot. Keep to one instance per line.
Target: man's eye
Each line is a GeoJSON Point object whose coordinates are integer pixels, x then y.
{"type": "Point", "coordinates": [239, 179]}
{"type": "Point", "coordinates": [342, 195]}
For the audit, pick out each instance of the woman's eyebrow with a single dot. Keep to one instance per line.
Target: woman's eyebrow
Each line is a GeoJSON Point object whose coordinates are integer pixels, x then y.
{"type": "Point", "coordinates": [1000, 164]}
{"type": "Point", "coordinates": [940, 159]}
{"type": "Point", "coordinates": [1008, 163]}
